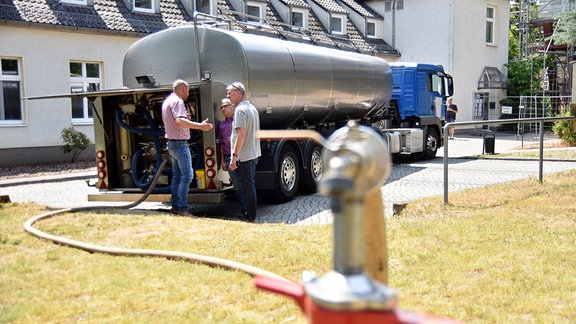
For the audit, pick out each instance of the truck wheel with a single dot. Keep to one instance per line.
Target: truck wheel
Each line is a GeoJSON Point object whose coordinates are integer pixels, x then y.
{"type": "Point", "coordinates": [431, 144]}
{"type": "Point", "coordinates": [313, 173]}
{"type": "Point", "coordinates": [288, 176]}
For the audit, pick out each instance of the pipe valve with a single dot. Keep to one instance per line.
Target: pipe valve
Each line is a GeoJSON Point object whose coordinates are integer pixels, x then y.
{"type": "Point", "coordinates": [357, 163]}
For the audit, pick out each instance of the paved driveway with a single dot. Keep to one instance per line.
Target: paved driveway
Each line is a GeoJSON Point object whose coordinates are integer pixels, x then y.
{"type": "Point", "coordinates": [407, 181]}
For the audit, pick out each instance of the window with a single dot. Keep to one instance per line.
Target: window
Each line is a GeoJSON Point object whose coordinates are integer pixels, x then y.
{"type": "Point", "coordinates": [300, 18]}
{"type": "Point", "coordinates": [435, 84]}
{"type": "Point", "coordinates": [203, 6]}
{"type": "Point", "coordinates": [371, 29]}
{"type": "Point", "coordinates": [388, 5]}
{"type": "Point", "coordinates": [84, 77]}
{"type": "Point", "coordinates": [10, 95]}
{"type": "Point", "coordinates": [257, 10]}
{"type": "Point", "coordinates": [490, 25]}
{"type": "Point", "coordinates": [337, 24]}
{"type": "Point", "coordinates": [144, 5]}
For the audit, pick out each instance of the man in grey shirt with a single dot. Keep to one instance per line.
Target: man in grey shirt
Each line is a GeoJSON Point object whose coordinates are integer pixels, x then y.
{"type": "Point", "coordinates": [245, 145]}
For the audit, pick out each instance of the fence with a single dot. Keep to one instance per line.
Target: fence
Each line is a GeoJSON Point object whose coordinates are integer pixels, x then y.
{"type": "Point", "coordinates": [512, 107]}
{"type": "Point", "coordinates": [540, 121]}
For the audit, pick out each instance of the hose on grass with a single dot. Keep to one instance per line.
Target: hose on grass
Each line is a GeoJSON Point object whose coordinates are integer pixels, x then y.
{"type": "Point", "coordinates": [171, 255]}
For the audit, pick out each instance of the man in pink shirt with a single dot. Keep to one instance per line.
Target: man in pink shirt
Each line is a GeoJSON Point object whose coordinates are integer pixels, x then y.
{"type": "Point", "coordinates": [177, 125]}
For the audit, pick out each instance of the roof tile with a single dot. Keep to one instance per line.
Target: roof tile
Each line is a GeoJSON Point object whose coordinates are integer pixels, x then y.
{"type": "Point", "coordinates": [114, 15]}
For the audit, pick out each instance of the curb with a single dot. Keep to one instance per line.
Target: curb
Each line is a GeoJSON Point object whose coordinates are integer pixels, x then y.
{"type": "Point", "coordinates": [47, 179]}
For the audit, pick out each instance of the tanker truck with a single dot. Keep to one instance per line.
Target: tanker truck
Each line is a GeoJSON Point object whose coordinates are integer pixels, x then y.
{"type": "Point", "coordinates": [293, 84]}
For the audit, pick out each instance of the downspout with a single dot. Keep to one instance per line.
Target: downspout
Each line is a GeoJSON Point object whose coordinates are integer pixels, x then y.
{"type": "Point", "coordinates": [394, 23]}
{"type": "Point", "coordinates": [451, 23]}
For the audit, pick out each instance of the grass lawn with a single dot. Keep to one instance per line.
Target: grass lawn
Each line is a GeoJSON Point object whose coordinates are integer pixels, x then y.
{"type": "Point", "coordinates": [500, 254]}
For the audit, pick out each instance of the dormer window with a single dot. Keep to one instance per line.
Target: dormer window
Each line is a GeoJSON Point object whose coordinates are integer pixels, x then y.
{"type": "Point", "coordinates": [203, 6]}
{"type": "Point", "coordinates": [337, 23]}
{"type": "Point", "coordinates": [144, 5]}
{"type": "Point", "coordinates": [256, 9]}
{"type": "Point", "coordinates": [299, 18]}
{"type": "Point", "coordinates": [373, 28]}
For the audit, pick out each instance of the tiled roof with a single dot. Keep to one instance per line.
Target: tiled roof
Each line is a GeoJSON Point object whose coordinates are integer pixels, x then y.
{"type": "Point", "coordinates": [103, 15]}
{"type": "Point", "coordinates": [113, 15]}
{"type": "Point", "coordinates": [364, 11]}
{"type": "Point", "coordinates": [331, 6]}
{"type": "Point", "coordinates": [296, 3]}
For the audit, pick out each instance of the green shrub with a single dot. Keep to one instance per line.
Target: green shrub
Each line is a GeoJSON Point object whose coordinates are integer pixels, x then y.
{"type": "Point", "coordinates": [75, 142]}
{"type": "Point", "coordinates": [565, 131]}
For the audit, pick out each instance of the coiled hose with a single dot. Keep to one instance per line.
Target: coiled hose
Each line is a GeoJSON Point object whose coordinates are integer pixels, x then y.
{"type": "Point", "coordinates": [155, 132]}
{"type": "Point", "coordinates": [171, 255]}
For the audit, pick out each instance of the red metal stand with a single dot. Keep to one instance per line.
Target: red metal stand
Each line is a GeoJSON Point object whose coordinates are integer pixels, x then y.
{"type": "Point", "coordinates": [357, 161]}
{"type": "Point", "coordinates": [318, 315]}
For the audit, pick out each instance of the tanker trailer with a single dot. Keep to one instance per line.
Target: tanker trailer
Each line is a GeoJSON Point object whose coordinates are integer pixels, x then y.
{"type": "Point", "coordinates": [294, 85]}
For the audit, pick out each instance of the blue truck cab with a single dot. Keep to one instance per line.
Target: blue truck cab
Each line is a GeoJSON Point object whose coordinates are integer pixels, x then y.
{"type": "Point", "coordinates": [417, 86]}
{"type": "Point", "coordinates": [415, 111]}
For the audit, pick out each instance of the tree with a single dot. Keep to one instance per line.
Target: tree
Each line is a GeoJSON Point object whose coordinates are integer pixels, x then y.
{"type": "Point", "coordinates": [566, 28]}
{"type": "Point", "coordinates": [523, 73]}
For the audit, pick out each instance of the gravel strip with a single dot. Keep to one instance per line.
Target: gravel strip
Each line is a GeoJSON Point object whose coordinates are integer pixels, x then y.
{"type": "Point", "coordinates": [33, 170]}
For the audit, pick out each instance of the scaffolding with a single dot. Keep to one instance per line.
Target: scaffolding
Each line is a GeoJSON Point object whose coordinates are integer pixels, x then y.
{"type": "Point", "coordinates": [539, 107]}
{"type": "Point", "coordinates": [537, 22]}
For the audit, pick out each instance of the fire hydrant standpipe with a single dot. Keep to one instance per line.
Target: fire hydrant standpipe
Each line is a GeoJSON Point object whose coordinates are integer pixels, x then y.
{"type": "Point", "coordinates": [357, 163]}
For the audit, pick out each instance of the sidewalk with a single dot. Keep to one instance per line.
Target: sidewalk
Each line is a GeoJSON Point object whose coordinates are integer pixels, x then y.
{"type": "Point", "coordinates": [463, 145]}
{"type": "Point", "coordinates": [407, 182]}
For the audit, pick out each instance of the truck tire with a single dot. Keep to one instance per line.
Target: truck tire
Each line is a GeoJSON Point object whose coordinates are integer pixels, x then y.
{"type": "Point", "coordinates": [431, 143]}
{"type": "Point", "coordinates": [288, 176]}
{"type": "Point", "coordinates": [313, 174]}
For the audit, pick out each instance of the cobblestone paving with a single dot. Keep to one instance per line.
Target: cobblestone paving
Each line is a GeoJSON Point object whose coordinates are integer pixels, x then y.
{"type": "Point", "coordinates": [407, 181]}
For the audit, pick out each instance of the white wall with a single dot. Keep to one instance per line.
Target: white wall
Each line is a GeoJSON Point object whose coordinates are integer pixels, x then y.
{"type": "Point", "coordinates": [471, 54]}
{"type": "Point", "coordinates": [45, 55]}
{"type": "Point", "coordinates": [450, 33]}
{"type": "Point", "coordinates": [422, 31]}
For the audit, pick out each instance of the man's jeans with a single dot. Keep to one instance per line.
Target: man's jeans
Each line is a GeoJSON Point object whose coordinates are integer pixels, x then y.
{"type": "Point", "coordinates": [181, 173]}
{"type": "Point", "coordinates": [237, 182]}
{"type": "Point", "coordinates": [247, 171]}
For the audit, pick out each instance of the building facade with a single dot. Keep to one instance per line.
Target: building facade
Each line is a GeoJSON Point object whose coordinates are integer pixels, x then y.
{"type": "Point", "coordinates": [50, 47]}
{"type": "Point", "coordinates": [469, 38]}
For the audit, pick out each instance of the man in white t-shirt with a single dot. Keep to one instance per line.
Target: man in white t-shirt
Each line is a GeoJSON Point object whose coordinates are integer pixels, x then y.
{"type": "Point", "coordinates": [245, 145]}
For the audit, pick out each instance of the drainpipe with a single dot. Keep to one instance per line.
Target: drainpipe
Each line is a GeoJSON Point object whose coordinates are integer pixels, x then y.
{"type": "Point", "coordinates": [451, 36]}
{"type": "Point", "coordinates": [394, 23]}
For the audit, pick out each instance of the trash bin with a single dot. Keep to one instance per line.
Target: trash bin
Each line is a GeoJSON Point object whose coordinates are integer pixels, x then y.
{"type": "Point", "coordinates": [489, 138]}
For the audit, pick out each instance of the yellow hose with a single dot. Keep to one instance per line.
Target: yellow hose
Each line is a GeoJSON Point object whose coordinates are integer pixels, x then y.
{"type": "Point", "coordinates": [202, 259]}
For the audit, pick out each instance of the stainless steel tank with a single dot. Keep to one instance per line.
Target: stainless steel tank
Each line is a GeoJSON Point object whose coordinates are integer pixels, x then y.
{"type": "Point", "coordinates": [287, 81]}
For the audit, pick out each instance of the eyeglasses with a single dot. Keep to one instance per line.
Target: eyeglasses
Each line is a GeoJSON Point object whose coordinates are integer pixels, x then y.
{"type": "Point", "coordinates": [222, 107]}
